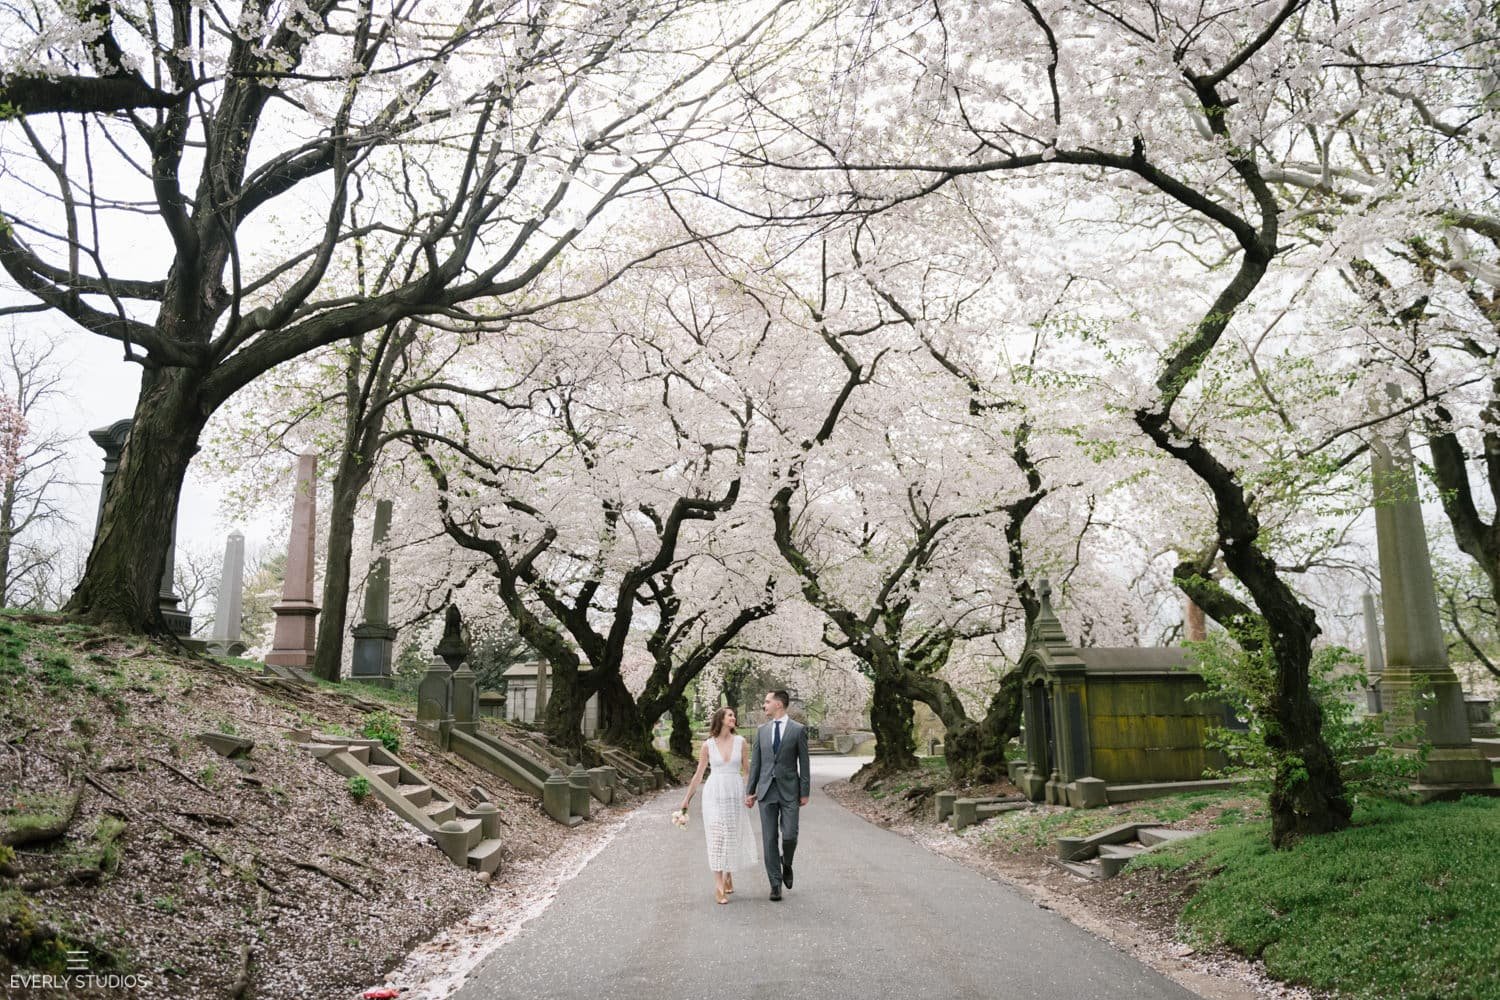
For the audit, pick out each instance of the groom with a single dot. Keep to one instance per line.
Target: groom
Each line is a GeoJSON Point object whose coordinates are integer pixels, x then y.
{"type": "Point", "coordinates": [779, 777]}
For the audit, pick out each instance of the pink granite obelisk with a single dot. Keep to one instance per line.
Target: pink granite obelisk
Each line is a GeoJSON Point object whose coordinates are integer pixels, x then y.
{"type": "Point", "coordinates": [1195, 627]}
{"type": "Point", "coordinates": [296, 614]}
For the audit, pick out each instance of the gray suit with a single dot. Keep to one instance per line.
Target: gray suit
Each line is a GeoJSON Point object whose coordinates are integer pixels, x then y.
{"type": "Point", "coordinates": [778, 781]}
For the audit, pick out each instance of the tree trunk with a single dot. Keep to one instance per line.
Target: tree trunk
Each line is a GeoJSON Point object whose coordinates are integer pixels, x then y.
{"type": "Point", "coordinates": [891, 721]}
{"type": "Point", "coordinates": [628, 726]}
{"type": "Point", "coordinates": [681, 742]}
{"type": "Point", "coordinates": [350, 480]}
{"type": "Point", "coordinates": [7, 514]}
{"type": "Point", "coordinates": [1307, 793]}
{"type": "Point", "coordinates": [566, 701]}
{"type": "Point", "coordinates": [122, 582]}
{"type": "Point", "coordinates": [1002, 723]}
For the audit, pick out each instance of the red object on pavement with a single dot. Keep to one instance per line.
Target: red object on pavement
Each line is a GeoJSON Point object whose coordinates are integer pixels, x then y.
{"type": "Point", "coordinates": [383, 993]}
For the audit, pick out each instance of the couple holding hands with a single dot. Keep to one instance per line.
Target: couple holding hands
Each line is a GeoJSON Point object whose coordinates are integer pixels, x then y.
{"type": "Point", "coordinates": [775, 775]}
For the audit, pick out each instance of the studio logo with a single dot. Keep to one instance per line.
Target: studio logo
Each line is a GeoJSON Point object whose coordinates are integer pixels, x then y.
{"type": "Point", "coordinates": [78, 976]}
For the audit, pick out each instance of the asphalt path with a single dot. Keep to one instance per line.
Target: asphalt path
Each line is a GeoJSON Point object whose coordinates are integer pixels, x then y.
{"type": "Point", "coordinates": [872, 916]}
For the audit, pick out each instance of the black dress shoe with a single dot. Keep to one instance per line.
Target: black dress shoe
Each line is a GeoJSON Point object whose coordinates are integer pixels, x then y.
{"type": "Point", "coordinates": [775, 893]}
{"type": "Point", "coordinates": [786, 875]}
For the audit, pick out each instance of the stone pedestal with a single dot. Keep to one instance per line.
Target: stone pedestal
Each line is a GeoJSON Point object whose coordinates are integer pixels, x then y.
{"type": "Point", "coordinates": [463, 699]}
{"type": "Point", "coordinates": [373, 654]}
{"type": "Point", "coordinates": [1416, 654]}
{"type": "Point", "coordinates": [374, 639]}
{"type": "Point", "coordinates": [557, 797]}
{"type": "Point", "coordinates": [578, 792]}
{"type": "Point", "coordinates": [296, 635]}
{"type": "Point", "coordinates": [112, 440]}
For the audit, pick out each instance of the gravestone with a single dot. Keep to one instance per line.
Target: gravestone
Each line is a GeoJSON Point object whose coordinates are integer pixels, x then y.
{"type": "Point", "coordinates": [296, 614]}
{"type": "Point", "coordinates": [374, 637]}
{"type": "Point", "coordinates": [112, 440]}
{"type": "Point", "coordinates": [230, 607]}
{"type": "Point", "coordinates": [1416, 654]}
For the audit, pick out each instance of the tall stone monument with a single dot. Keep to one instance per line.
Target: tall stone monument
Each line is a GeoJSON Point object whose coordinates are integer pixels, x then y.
{"type": "Point", "coordinates": [230, 608]}
{"type": "Point", "coordinates": [112, 440]}
{"type": "Point", "coordinates": [1374, 657]}
{"type": "Point", "coordinates": [1416, 655]}
{"type": "Point", "coordinates": [374, 637]}
{"type": "Point", "coordinates": [296, 614]}
{"type": "Point", "coordinates": [1194, 625]}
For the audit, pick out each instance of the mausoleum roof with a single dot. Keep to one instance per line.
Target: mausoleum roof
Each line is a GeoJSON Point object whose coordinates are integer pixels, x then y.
{"type": "Point", "coordinates": [1134, 660]}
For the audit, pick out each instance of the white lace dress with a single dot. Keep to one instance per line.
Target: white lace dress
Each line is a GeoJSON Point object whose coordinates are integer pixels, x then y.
{"type": "Point", "coordinates": [726, 821]}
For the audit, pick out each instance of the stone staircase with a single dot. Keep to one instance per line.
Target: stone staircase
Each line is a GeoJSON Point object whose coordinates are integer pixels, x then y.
{"type": "Point", "coordinates": [963, 812]}
{"type": "Point", "coordinates": [822, 748]}
{"type": "Point", "coordinates": [1107, 852]}
{"type": "Point", "coordinates": [469, 837]}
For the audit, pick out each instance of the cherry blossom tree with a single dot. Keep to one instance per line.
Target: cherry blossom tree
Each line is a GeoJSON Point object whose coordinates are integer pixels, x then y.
{"type": "Point", "coordinates": [480, 140]}
{"type": "Point", "coordinates": [603, 492]}
{"type": "Point", "coordinates": [33, 468]}
{"type": "Point", "coordinates": [1162, 111]}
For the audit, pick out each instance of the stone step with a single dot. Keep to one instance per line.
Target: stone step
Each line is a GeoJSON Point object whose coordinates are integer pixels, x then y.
{"type": "Point", "coordinates": [388, 773]}
{"type": "Point", "coordinates": [485, 855]}
{"type": "Point", "coordinates": [473, 831]}
{"type": "Point", "coordinates": [440, 810]}
{"type": "Point", "coordinates": [417, 795]}
{"type": "Point", "coordinates": [1083, 869]}
{"type": "Point", "coordinates": [1152, 836]}
{"type": "Point", "coordinates": [1114, 857]}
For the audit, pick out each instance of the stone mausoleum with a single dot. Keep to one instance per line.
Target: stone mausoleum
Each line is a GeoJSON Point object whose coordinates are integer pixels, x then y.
{"type": "Point", "coordinates": [1099, 716]}
{"type": "Point", "coordinates": [526, 696]}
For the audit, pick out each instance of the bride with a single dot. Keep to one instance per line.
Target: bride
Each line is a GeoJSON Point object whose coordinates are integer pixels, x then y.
{"type": "Point", "coordinates": [726, 821]}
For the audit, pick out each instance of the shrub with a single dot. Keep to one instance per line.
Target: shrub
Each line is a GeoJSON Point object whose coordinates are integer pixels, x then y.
{"type": "Point", "coordinates": [359, 787]}
{"type": "Point", "coordinates": [385, 727]}
{"type": "Point", "coordinates": [1366, 752]}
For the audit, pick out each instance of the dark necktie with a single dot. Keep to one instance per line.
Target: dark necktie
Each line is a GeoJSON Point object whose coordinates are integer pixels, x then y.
{"type": "Point", "coordinates": [776, 738]}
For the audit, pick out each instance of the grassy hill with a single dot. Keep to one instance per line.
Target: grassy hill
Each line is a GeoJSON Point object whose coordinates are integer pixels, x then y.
{"type": "Point", "coordinates": [130, 848]}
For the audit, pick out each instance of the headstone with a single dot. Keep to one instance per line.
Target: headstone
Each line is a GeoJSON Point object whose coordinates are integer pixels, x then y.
{"type": "Point", "coordinates": [296, 614]}
{"type": "Point", "coordinates": [230, 607]}
{"type": "Point", "coordinates": [374, 637]}
{"type": "Point", "coordinates": [432, 693]}
{"type": "Point", "coordinates": [1416, 652]}
{"type": "Point", "coordinates": [492, 704]}
{"type": "Point", "coordinates": [1374, 656]}
{"type": "Point", "coordinates": [112, 440]}
{"type": "Point", "coordinates": [1481, 723]}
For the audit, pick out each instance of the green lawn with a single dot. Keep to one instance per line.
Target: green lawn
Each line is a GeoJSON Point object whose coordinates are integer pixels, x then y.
{"type": "Point", "coordinates": [1404, 904]}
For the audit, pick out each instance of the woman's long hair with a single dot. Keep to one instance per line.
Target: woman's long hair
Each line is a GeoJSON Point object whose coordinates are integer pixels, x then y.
{"type": "Point", "coordinates": [716, 724]}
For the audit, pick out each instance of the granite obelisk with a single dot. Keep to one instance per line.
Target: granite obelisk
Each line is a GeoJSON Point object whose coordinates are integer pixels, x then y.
{"type": "Point", "coordinates": [296, 614]}
{"type": "Point", "coordinates": [230, 607]}
{"type": "Point", "coordinates": [1416, 655]}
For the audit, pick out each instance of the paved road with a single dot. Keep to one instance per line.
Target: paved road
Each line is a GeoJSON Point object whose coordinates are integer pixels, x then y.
{"type": "Point", "coordinates": [873, 916]}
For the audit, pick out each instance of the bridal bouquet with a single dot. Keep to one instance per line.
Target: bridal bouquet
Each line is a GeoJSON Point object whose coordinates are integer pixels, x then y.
{"type": "Point", "coordinates": [680, 818]}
